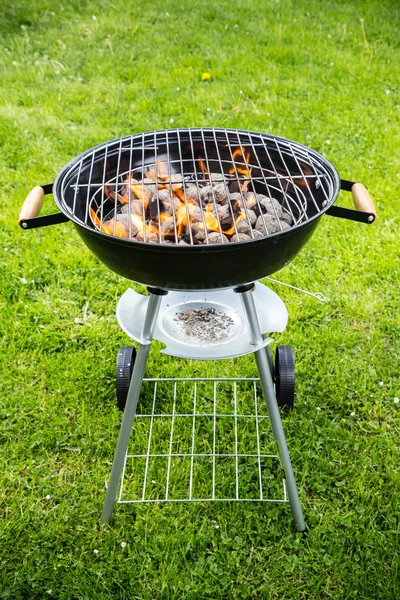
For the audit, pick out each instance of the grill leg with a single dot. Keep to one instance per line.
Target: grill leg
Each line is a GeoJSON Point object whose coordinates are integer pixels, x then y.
{"type": "Point", "coordinates": [272, 407]}
{"type": "Point", "coordinates": [131, 404]}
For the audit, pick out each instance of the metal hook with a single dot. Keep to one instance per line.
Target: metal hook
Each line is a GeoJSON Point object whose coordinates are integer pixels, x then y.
{"type": "Point", "coordinates": [318, 295]}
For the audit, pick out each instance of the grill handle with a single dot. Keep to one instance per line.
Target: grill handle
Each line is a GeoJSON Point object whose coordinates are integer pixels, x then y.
{"type": "Point", "coordinates": [365, 208]}
{"type": "Point", "coordinates": [362, 199]}
{"type": "Point", "coordinates": [32, 205]}
{"type": "Point", "coordinates": [29, 215]}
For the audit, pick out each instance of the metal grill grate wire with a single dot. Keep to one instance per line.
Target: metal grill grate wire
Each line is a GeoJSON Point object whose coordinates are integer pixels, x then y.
{"type": "Point", "coordinates": [295, 185]}
{"type": "Point", "coordinates": [199, 440]}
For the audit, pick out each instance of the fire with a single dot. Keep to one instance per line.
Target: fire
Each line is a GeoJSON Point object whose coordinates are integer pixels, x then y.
{"type": "Point", "coordinates": [115, 196]}
{"type": "Point", "coordinates": [137, 222]}
{"type": "Point", "coordinates": [139, 189]}
{"type": "Point", "coordinates": [151, 175]}
{"type": "Point", "coordinates": [210, 220]}
{"type": "Point", "coordinates": [180, 194]}
{"type": "Point", "coordinates": [108, 226]}
{"type": "Point", "coordinates": [231, 230]}
{"type": "Point", "coordinates": [163, 216]}
{"type": "Point", "coordinates": [241, 153]}
{"type": "Point", "coordinates": [203, 166]}
{"type": "Point", "coordinates": [160, 172]}
{"type": "Point", "coordinates": [212, 223]}
{"type": "Point", "coordinates": [181, 219]}
{"type": "Point", "coordinates": [180, 209]}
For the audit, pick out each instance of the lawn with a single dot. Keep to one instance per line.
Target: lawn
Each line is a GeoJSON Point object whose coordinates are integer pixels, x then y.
{"type": "Point", "coordinates": [77, 73]}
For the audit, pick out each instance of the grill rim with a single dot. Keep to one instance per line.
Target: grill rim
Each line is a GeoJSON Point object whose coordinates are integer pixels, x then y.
{"type": "Point", "coordinates": [62, 174]}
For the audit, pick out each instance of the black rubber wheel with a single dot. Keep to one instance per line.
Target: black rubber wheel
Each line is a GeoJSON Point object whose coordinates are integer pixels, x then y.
{"type": "Point", "coordinates": [125, 361]}
{"type": "Point", "coordinates": [284, 376]}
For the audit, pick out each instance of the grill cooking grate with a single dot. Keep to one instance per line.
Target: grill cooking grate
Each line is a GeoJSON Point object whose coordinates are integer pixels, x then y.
{"type": "Point", "coordinates": [299, 179]}
{"type": "Point", "coordinates": [201, 440]}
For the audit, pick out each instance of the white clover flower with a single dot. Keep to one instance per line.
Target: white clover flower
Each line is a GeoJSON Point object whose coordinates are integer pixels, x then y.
{"type": "Point", "coordinates": [123, 544]}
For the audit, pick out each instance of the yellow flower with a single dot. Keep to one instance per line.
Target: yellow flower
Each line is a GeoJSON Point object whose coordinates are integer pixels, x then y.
{"type": "Point", "coordinates": [205, 76]}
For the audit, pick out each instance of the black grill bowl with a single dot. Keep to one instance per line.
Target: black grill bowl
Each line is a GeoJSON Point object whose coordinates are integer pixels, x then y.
{"type": "Point", "coordinates": [198, 267]}
{"type": "Point", "coordinates": [305, 173]}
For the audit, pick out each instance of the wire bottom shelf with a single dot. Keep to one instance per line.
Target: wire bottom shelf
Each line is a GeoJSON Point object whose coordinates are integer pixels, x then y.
{"type": "Point", "coordinates": [202, 440]}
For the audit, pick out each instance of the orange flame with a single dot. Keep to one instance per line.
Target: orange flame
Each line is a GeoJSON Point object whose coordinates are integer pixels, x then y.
{"type": "Point", "coordinates": [151, 175]}
{"type": "Point", "coordinates": [210, 220]}
{"type": "Point", "coordinates": [108, 226]}
{"type": "Point", "coordinates": [176, 207]}
{"type": "Point", "coordinates": [113, 195]}
{"type": "Point", "coordinates": [232, 230]}
{"type": "Point", "coordinates": [241, 153]}
{"type": "Point", "coordinates": [203, 166]}
{"type": "Point", "coordinates": [160, 172]}
{"type": "Point", "coordinates": [212, 224]}
{"type": "Point", "coordinates": [181, 224]}
{"type": "Point", "coordinates": [180, 194]}
{"type": "Point", "coordinates": [137, 221]}
{"type": "Point", "coordinates": [140, 191]}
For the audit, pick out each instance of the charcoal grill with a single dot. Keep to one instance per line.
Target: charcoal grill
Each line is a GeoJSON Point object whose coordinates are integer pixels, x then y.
{"type": "Point", "coordinates": [296, 184]}
{"type": "Point", "coordinates": [304, 183]}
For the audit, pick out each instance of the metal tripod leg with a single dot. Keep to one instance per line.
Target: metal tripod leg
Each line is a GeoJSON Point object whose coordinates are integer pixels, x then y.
{"type": "Point", "coordinates": [272, 406]}
{"type": "Point", "coordinates": [131, 404]}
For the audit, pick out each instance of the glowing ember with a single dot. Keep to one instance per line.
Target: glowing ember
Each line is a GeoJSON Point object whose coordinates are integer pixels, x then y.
{"type": "Point", "coordinates": [112, 226]}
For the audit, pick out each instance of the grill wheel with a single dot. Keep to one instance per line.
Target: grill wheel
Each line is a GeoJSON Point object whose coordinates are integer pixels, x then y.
{"type": "Point", "coordinates": [125, 362]}
{"type": "Point", "coordinates": [284, 376]}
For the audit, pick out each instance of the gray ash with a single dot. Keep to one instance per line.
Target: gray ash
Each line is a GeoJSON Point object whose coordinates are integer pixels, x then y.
{"type": "Point", "coordinates": [205, 324]}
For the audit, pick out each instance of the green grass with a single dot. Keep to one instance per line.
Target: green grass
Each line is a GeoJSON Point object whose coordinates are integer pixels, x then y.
{"type": "Point", "coordinates": [75, 74]}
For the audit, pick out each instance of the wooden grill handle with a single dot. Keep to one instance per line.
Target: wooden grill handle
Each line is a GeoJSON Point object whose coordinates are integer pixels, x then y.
{"type": "Point", "coordinates": [32, 205]}
{"type": "Point", "coordinates": [362, 199]}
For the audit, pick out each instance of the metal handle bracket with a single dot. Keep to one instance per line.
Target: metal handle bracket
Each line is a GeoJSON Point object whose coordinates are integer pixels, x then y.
{"type": "Point", "coordinates": [43, 221]}
{"type": "Point", "coordinates": [362, 216]}
{"type": "Point", "coordinates": [351, 214]}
